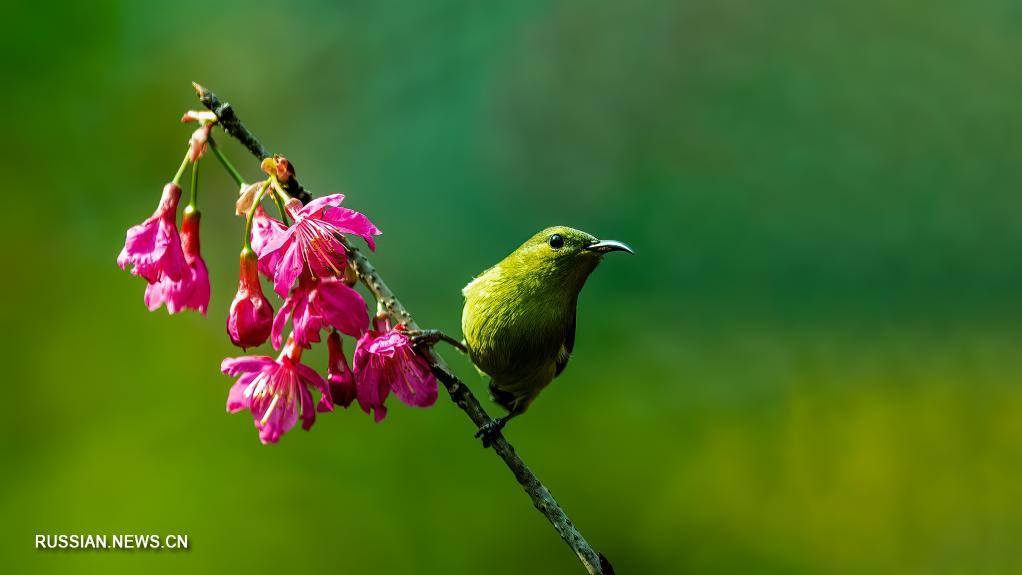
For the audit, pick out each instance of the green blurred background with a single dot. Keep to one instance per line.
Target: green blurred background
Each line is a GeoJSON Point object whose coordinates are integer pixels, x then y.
{"type": "Point", "coordinates": [811, 366]}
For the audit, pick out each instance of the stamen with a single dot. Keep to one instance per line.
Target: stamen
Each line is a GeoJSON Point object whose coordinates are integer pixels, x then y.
{"type": "Point", "coordinates": [263, 381]}
{"type": "Point", "coordinates": [317, 240]}
{"type": "Point", "coordinates": [248, 389]}
{"type": "Point", "coordinates": [269, 410]}
{"type": "Point", "coordinates": [405, 374]}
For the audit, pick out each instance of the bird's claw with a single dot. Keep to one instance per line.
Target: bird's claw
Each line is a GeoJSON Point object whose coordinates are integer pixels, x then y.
{"type": "Point", "coordinates": [490, 430]}
{"type": "Point", "coordinates": [429, 337]}
{"type": "Point", "coordinates": [423, 338]}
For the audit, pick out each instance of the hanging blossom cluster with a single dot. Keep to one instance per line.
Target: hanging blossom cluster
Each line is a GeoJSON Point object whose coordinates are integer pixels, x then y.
{"type": "Point", "coordinates": [303, 255]}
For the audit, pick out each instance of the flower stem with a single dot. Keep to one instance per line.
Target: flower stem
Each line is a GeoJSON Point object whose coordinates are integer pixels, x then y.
{"type": "Point", "coordinates": [180, 171]}
{"type": "Point", "coordinates": [280, 197]}
{"type": "Point", "coordinates": [291, 351]}
{"type": "Point", "coordinates": [193, 194]}
{"type": "Point", "coordinates": [278, 189]}
{"type": "Point", "coordinates": [226, 163]}
{"type": "Point", "coordinates": [251, 215]}
{"type": "Point", "coordinates": [280, 208]}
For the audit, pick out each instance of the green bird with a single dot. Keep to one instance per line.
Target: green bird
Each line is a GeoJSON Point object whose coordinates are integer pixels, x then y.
{"type": "Point", "coordinates": [519, 315]}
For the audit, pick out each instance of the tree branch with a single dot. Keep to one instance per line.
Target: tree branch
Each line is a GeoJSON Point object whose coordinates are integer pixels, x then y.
{"type": "Point", "coordinates": [229, 121]}
{"type": "Point", "coordinates": [594, 563]}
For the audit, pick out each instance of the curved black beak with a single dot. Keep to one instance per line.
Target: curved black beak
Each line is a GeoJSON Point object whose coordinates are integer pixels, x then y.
{"type": "Point", "coordinates": [604, 246]}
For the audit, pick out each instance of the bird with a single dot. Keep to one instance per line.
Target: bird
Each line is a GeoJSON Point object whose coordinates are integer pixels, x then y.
{"type": "Point", "coordinates": [520, 315]}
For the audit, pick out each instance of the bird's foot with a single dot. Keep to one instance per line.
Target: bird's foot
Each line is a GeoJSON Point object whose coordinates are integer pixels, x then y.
{"type": "Point", "coordinates": [429, 337]}
{"type": "Point", "coordinates": [491, 429]}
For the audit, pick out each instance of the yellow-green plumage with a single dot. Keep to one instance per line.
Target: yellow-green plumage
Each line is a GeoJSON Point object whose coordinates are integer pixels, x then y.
{"type": "Point", "coordinates": [519, 315]}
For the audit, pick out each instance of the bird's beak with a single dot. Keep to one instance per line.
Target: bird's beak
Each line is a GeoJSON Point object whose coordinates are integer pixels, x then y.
{"type": "Point", "coordinates": [604, 246]}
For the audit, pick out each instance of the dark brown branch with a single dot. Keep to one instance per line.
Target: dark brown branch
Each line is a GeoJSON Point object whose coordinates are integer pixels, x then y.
{"type": "Point", "coordinates": [229, 121]}
{"type": "Point", "coordinates": [594, 563]}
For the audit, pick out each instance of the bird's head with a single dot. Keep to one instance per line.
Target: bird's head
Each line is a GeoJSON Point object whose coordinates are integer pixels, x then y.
{"type": "Point", "coordinates": [564, 252]}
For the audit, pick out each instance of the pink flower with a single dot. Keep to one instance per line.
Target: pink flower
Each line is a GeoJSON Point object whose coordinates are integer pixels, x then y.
{"type": "Point", "coordinates": [312, 240]}
{"type": "Point", "coordinates": [251, 315]}
{"type": "Point", "coordinates": [191, 290]}
{"type": "Point", "coordinates": [153, 247]}
{"type": "Point", "coordinates": [263, 228]}
{"type": "Point", "coordinates": [342, 381]}
{"type": "Point", "coordinates": [276, 391]}
{"type": "Point", "coordinates": [319, 303]}
{"type": "Point", "coordinates": [384, 361]}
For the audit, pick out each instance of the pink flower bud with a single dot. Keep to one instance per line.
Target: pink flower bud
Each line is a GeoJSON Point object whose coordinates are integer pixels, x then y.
{"type": "Point", "coordinates": [251, 316]}
{"type": "Point", "coordinates": [342, 381]}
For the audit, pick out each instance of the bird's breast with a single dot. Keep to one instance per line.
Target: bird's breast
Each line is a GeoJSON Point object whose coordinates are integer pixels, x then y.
{"type": "Point", "coordinates": [513, 334]}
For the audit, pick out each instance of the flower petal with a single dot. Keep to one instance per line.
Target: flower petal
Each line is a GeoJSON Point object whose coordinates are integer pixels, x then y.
{"type": "Point", "coordinates": [288, 269]}
{"type": "Point", "coordinates": [236, 400]}
{"type": "Point", "coordinates": [312, 377]}
{"type": "Point", "coordinates": [307, 409]}
{"type": "Point", "coordinates": [412, 380]}
{"type": "Point", "coordinates": [280, 422]}
{"type": "Point", "coordinates": [352, 222]}
{"type": "Point", "coordinates": [159, 292]}
{"type": "Point", "coordinates": [342, 381]}
{"type": "Point", "coordinates": [341, 307]}
{"type": "Point", "coordinates": [139, 241]}
{"type": "Point", "coordinates": [305, 321]}
{"type": "Point", "coordinates": [265, 228]}
{"type": "Point", "coordinates": [246, 364]}
{"type": "Point", "coordinates": [371, 386]}
{"type": "Point", "coordinates": [320, 203]}
{"type": "Point", "coordinates": [199, 293]}
{"type": "Point", "coordinates": [280, 321]}
{"type": "Point", "coordinates": [274, 241]}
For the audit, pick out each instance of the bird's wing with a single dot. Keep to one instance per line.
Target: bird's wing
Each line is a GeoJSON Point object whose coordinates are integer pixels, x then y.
{"type": "Point", "coordinates": [564, 354]}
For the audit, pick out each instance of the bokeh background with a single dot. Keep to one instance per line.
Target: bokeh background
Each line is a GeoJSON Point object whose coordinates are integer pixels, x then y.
{"type": "Point", "coordinates": [811, 366]}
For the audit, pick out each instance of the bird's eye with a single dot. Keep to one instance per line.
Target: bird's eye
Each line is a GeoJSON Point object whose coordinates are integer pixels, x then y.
{"type": "Point", "coordinates": [556, 241]}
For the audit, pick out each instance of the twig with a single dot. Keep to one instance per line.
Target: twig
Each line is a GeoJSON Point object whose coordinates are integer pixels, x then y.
{"type": "Point", "coordinates": [594, 563]}
{"type": "Point", "coordinates": [229, 121]}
